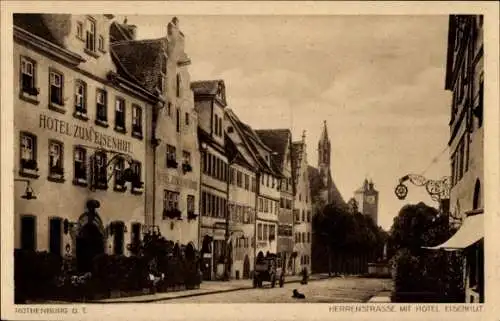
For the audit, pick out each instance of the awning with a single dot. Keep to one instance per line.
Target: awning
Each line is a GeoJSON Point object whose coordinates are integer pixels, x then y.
{"type": "Point", "coordinates": [471, 231]}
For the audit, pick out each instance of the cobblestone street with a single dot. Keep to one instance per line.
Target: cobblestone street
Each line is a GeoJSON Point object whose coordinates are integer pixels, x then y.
{"type": "Point", "coordinates": [337, 290]}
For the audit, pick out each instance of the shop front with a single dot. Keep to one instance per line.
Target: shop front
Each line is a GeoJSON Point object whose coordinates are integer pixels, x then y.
{"type": "Point", "coordinates": [212, 249]}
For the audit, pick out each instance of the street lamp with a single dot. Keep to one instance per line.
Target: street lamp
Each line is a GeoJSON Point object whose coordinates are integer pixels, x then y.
{"type": "Point", "coordinates": [28, 192]}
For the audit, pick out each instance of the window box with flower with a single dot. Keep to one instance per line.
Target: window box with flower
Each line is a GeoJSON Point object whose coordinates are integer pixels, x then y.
{"type": "Point", "coordinates": [192, 215]}
{"type": "Point", "coordinates": [56, 174]}
{"type": "Point", "coordinates": [172, 213]}
{"type": "Point", "coordinates": [137, 187]}
{"type": "Point", "coordinates": [172, 163]}
{"type": "Point", "coordinates": [120, 185]}
{"type": "Point", "coordinates": [29, 166]}
{"type": "Point", "coordinates": [186, 168]}
{"type": "Point", "coordinates": [30, 94]}
{"type": "Point", "coordinates": [137, 131]}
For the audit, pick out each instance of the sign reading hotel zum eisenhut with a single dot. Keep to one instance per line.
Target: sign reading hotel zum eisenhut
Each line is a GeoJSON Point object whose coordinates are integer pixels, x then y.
{"type": "Point", "coordinates": [88, 134]}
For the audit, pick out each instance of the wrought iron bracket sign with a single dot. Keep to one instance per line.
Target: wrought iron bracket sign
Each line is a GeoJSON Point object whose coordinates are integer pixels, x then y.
{"type": "Point", "coordinates": [128, 174]}
{"type": "Point", "coordinates": [437, 189]}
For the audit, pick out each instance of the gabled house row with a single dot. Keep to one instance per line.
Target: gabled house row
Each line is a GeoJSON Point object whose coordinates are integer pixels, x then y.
{"type": "Point", "coordinates": [115, 140]}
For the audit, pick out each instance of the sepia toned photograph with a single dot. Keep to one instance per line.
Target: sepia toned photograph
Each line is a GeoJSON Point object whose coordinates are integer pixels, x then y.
{"type": "Point", "coordinates": [173, 158]}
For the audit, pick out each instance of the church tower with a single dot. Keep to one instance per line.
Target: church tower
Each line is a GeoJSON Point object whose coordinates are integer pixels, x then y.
{"type": "Point", "coordinates": [324, 152]}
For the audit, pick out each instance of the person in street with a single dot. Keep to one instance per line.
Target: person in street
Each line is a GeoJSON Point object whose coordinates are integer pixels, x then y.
{"type": "Point", "coordinates": [305, 276]}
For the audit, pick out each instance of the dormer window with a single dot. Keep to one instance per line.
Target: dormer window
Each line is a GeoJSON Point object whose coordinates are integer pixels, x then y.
{"type": "Point", "coordinates": [220, 92]}
{"type": "Point", "coordinates": [90, 31]}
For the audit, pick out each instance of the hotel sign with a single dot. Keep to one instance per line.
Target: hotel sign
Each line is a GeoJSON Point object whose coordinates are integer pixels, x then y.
{"type": "Point", "coordinates": [88, 134]}
{"type": "Point", "coordinates": [167, 179]}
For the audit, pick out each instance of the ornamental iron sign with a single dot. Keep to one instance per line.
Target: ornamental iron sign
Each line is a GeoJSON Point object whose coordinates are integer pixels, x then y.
{"type": "Point", "coordinates": [437, 189]}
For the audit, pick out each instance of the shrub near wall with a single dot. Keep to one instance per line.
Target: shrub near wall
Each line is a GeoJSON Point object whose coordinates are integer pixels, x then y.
{"type": "Point", "coordinates": [41, 276]}
{"type": "Point", "coordinates": [34, 274]}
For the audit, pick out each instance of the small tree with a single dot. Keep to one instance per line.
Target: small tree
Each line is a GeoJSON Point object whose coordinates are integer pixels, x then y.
{"type": "Point", "coordinates": [418, 269]}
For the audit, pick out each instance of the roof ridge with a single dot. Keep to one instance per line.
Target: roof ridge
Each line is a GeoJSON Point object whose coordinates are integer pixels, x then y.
{"type": "Point", "coordinates": [212, 80]}
{"type": "Point", "coordinates": [124, 42]}
{"type": "Point", "coordinates": [117, 59]}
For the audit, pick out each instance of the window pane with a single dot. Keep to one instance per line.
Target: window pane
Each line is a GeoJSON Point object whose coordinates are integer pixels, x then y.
{"type": "Point", "coordinates": [28, 233]}
{"type": "Point", "coordinates": [55, 236]}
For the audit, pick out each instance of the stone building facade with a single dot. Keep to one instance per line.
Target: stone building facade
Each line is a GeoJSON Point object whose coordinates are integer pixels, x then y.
{"type": "Point", "coordinates": [80, 128]}
{"type": "Point", "coordinates": [210, 101]}
{"type": "Point", "coordinates": [465, 79]}
{"type": "Point", "coordinates": [242, 196]}
{"type": "Point", "coordinates": [302, 207]}
{"type": "Point", "coordinates": [161, 66]}
{"type": "Point", "coordinates": [280, 142]}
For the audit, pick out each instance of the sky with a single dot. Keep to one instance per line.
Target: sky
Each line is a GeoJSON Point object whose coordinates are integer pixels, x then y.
{"type": "Point", "coordinates": [378, 81]}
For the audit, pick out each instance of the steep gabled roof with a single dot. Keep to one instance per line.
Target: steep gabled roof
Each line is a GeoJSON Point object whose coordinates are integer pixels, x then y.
{"type": "Point", "coordinates": [251, 140]}
{"type": "Point", "coordinates": [316, 184]}
{"type": "Point", "coordinates": [34, 23]}
{"type": "Point", "coordinates": [139, 60]}
{"type": "Point", "coordinates": [120, 32]}
{"type": "Point", "coordinates": [206, 87]}
{"type": "Point", "coordinates": [214, 89]}
{"type": "Point", "coordinates": [277, 140]}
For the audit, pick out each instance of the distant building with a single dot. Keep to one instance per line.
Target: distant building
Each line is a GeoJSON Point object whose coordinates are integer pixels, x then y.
{"type": "Point", "coordinates": [465, 78]}
{"type": "Point", "coordinates": [280, 141]}
{"type": "Point", "coordinates": [366, 198]}
{"type": "Point", "coordinates": [323, 188]}
{"type": "Point", "coordinates": [242, 195]}
{"type": "Point", "coordinates": [302, 207]}
{"type": "Point", "coordinates": [323, 192]}
{"type": "Point", "coordinates": [210, 101]}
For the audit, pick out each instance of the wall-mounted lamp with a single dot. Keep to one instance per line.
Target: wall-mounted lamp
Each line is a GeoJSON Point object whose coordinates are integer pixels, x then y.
{"type": "Point", "coordinates": [28, 192]}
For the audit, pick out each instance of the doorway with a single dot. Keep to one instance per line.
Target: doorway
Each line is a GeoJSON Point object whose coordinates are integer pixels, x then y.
{"type": "Point", "coordinates": [89, 244]}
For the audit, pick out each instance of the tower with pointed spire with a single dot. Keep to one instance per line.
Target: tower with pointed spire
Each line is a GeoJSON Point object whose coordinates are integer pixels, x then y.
{"type": "Point", "coordinates": [324, 149]}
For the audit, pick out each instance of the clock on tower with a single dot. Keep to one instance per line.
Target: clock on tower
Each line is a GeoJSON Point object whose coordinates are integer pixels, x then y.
{"type": "Point", "coordinates": [370, 199]}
